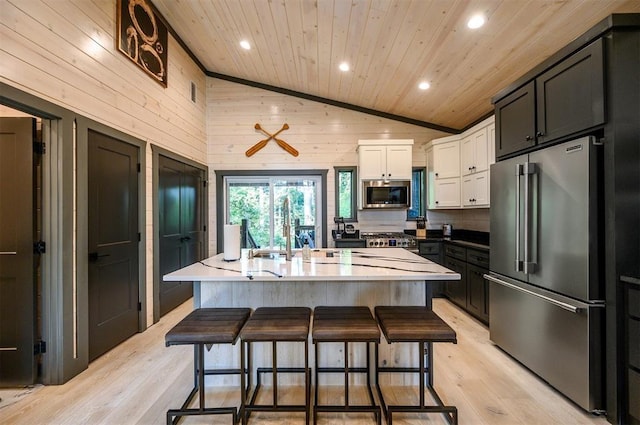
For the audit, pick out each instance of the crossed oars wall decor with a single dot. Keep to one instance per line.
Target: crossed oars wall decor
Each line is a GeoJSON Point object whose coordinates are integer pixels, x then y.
{"type": "Point", "coordinates": [262, 143]}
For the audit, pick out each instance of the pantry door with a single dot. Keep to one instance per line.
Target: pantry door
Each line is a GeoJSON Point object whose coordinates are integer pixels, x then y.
{"type": "Point", "coordinates": [113, 242]}
{"type": "Point", "coordinates": [182, 226]}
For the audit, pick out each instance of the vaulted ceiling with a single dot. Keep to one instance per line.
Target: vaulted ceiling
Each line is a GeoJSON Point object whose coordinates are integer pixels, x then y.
{"type": "Point", "coordinates": [390, 45]}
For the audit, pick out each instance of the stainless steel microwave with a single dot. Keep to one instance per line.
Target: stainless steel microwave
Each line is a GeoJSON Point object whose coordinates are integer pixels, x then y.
{"type": "Point", "coordinates": [389, 194]}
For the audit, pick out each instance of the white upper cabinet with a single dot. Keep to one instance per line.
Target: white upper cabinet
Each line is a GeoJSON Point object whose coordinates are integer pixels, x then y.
{"type": "Point", "coordinates": [446, 159]}
{"type": "Point", "coordinates": [399, 162]}
{"type": "Point", "coordinates": [385, 159]}
{"type": "Point", "coordinates": [443, 174]}
{"type": "Point", "coordinates": [475, 190]}
{"type": "Point", "coordinates": [474, 157]}
{"type": "Point", "coordinates": [491, 143]}
{"type": "Point", "coordinates": [458, 168]}
{"type": "Point", "coordinates": [372, 162]}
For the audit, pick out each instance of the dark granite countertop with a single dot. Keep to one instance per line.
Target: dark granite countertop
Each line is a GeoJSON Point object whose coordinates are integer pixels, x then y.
{"type": "Point", "coordinates": [466, 238]}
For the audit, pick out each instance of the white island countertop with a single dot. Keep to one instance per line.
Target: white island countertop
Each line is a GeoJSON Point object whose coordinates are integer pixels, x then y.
{"type": "Point", "coordinates": [325, 264]}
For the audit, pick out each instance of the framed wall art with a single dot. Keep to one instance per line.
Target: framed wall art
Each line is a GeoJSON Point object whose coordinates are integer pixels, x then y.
{"type": "Point", "coordinates": [142, 37]}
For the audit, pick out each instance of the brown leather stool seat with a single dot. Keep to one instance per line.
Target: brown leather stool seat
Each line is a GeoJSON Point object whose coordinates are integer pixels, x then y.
{"type": "Point", "coordinates": [420, 325]}
{"type": "Point", "coordinates": [202, 327]}
{"type": "Point", "coordinates": [276, 324]}
{"type": "Point", "coordinates": [347, 325]}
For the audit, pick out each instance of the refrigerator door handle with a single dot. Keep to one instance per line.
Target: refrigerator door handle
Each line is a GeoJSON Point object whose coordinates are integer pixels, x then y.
{"type": "Point", "coordinates": [529, 169]}
{"type": "Point", "coordinates": [565, 306]}
{"type": "Point", "coordinates": [518, 262]}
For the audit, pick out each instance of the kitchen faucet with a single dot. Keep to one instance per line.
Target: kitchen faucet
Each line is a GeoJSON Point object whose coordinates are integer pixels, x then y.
{"type": "Point", "coordinates": [286, 226]}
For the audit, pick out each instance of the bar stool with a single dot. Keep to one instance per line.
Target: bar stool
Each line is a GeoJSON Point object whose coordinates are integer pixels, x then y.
{"type": "Point", "coordinates": [202, 327]}
{"type": "Point", "coordinates": [276, 324]}
{"type": "Point", "coordinates": [345, 324]}
{"type": "Point", "coordinates": [420, 325]}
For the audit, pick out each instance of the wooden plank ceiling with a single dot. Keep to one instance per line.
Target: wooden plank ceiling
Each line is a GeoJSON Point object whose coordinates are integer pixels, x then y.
{"type": "Point", "coordinates": [391, 45]}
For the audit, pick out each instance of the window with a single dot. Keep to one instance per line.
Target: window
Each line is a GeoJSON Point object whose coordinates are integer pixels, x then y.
{"type": "Point", "coordinates": [258, 198]}
{"type": "Point", "coordinates": [346, 193]}
{"type": "Point", "coordinates": [417, 194]}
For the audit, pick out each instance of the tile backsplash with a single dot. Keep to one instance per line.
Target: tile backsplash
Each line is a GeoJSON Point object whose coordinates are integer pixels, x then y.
{"type": "Point", "coordinates": [395, 221]}
{"type": "Point", "coordinates": [469, 219]}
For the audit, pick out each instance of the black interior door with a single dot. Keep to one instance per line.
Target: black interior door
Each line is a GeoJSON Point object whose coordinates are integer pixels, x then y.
{"type": "Point", "coordinates": [181, 226]}
{"type": "Point", "coordinates": [113, 242]}
{"type": "Point", "coordinates": [17, 363]}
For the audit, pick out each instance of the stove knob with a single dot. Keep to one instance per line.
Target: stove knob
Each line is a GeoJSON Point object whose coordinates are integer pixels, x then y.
{"type": "Point", "coordinates": [370, 243]}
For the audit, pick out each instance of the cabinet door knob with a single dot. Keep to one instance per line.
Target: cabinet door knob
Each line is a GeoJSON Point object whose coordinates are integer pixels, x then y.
{"type": "Point", "coordinates": [436, 202]}
{"type": "Point", "coordinates": [539, 134]}
{"type": "Point", "coordinates": [528, 138]}
{"type": "Point", "coordinates": [436, 174]}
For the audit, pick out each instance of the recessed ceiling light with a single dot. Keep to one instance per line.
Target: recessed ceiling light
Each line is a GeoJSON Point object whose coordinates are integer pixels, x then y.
{"type": "Point", "coordinates": [476, 21]}
{"type": "Point", "coordinates": [245, 45]}
{"type": "Point", "coordinates": [344, 67]}
{"type": "Point", "coordinates": [424, 85]}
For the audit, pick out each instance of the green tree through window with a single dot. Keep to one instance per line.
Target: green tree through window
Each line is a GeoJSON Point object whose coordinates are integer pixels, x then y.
{"type": "Point", "coordinates": [346, 193]}
{"type": "Point", "coordinates": [260, 200]}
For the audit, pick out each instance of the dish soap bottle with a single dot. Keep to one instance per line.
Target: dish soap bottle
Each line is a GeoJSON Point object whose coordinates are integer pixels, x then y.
{"type": "Point", "coordinates": [306, 251]}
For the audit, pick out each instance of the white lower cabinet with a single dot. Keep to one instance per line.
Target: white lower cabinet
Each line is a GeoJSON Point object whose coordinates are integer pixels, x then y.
{"type": "Point", "coordinates": [475, 190]}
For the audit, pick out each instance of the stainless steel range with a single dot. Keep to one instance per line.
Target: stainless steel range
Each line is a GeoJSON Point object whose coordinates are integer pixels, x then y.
{"type": "Point", "coordinates": [388, 240]}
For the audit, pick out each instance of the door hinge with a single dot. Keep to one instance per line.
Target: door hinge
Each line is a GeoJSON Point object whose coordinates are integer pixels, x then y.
{"type": "Point", "coordinates": [139, 306]}
{"type": "Point", "coordinates": [39, 148]}
{"type": "Point", "coordinates": [39, 347]}
{"type": "Point", "coordinates": [39, 247]}
{"type": "Point", "coordinates": [204, 183]}
{"type": "Point", "coordinates": [205, 228]}
{"type": "Point", "coordinates": [139, 167]}
{"type": "Point", "coordinates": [139, 236]}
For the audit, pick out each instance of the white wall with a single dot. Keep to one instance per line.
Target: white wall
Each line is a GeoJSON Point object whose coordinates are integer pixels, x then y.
{"type": "Point", "coordinates": [65, 52]}
{"type": "Point", "coordinates": [325, 135]}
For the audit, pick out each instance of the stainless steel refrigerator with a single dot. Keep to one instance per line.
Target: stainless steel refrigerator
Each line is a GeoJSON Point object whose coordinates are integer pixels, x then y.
{"type": "Point", "coordinates": [547, 291]}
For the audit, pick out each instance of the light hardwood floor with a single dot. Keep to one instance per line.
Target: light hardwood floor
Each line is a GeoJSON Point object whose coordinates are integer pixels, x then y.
{"type": "Point", "coordinates": [139, 380]}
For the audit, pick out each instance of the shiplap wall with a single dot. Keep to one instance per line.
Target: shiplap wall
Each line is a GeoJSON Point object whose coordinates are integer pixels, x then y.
{"type": "Point", "coordinates": [65, 52]}
{"type": "Point", "coordinates": [325, 135]}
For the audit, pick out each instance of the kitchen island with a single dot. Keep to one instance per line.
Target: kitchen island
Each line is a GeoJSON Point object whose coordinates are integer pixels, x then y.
{"type": "Point", "coordinates": [367, 277]}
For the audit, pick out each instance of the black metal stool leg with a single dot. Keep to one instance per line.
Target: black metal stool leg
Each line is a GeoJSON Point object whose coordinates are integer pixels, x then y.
{"type": "Point", "coordinates": [420, 326]}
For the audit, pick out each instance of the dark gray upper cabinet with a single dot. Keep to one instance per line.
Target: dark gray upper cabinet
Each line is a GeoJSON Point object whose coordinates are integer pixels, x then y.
{"type": "Point", "coordinates": [570, 96]}
{"type": "Point", "coordinates": [516, 121]}
{"type": "Point", "coordinates": [566, 99]}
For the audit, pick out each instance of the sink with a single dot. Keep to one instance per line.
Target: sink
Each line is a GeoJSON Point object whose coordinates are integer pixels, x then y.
{"type": "Point", "coordinates": [272, 252]}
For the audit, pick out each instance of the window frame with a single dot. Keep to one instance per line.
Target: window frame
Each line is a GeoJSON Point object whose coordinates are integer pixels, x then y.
{"type": "Point", "coordinates": [423, 193]}
{"type": "Point", "coordinates": [221, 196]}
{"type": "Point", "coordinates": [354, 191]}
{"type": "Point", "coordinates": [273, 184]}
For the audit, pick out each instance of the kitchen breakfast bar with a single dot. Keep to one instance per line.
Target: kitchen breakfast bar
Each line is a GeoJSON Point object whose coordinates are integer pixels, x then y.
{"type": "Point", "coordinates": [330, 277]}
{"type": "Point", "coordinates": [368, 277]}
